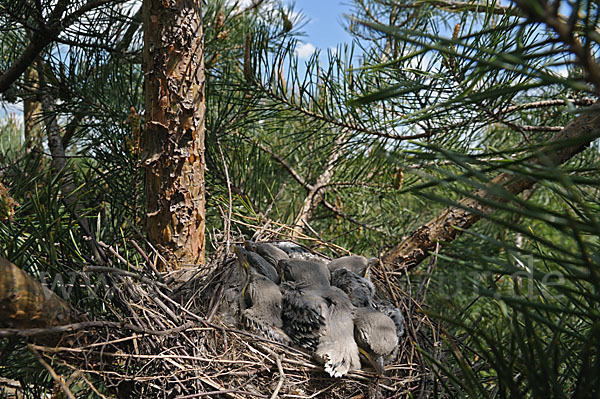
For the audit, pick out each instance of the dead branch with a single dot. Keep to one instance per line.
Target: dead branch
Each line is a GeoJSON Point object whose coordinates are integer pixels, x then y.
{"type": "Point", "coordinates": [444, 228]}
{"type": "Point", "coordinates": [59, 163]}
{"type": "Point", "coordinates": [25, 303]}
{"type": "Point", "coordinates": [59, 380]}
{"type": "Point", "coordinates": [316, 193]}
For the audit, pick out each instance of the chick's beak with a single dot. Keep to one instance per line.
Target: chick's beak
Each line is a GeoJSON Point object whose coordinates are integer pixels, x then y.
{"type": "Point", "coordinates": [376, 362]}
{"type": "Point", "coordinates": [378, 365]}
{"type": "Point", "coordinates": [241, 255]}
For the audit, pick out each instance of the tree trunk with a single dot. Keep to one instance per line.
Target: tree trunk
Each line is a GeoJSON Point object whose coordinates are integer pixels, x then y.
{"type": "Point", "coordinates": [574, 138]}
{"type": "Point", "coordinates": [32, 107]}
{"type": "Point", "coordinates": [173, 138]}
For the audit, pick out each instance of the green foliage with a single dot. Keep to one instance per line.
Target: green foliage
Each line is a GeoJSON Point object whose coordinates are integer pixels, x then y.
{"type": "Point", "coordinates": [10, 134]}
{"type": "Point", "coordinates": [519, 290]}
{"type": "Point", "coordinates": [427, 105]}
{"type": "Point", "coordinates": [438, 104]}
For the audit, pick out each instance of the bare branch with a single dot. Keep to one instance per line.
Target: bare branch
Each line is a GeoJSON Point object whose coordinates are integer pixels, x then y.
{"type": "Point", "coordinates": [286, 165]}
{"type": "Point", "coordinates": [59, 380]}
{"type": "Point", "coordinates": [349, 218]}
{"type": "Point", "coordinates": [449, 224]}
{"type": "Point", "coordinates": [548, 103]}
{"type": "Point", "coordinates": [315, 193]}
{"type": "Point", "coordinates": [86, 325]}
{"type": "Point", "coordinates": [59, 163]}
{"type": "Point", "coordinates": [456, 6]}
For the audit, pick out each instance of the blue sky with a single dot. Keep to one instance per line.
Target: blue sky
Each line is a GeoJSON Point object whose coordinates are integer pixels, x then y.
{"type": "Point", "coordinates": [324, 28]}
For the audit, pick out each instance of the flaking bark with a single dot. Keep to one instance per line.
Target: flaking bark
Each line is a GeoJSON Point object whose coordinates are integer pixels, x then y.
{"type": "Point", "coordinates": [173, 138]}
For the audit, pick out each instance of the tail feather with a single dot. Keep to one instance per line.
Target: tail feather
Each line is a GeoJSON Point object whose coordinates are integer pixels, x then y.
{"type": "Point", "coordinates": [338, 357]}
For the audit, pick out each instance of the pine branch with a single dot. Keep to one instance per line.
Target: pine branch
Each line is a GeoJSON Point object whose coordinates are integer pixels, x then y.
{"type": "Point", "coordinates": [341, 123]}
{"type": "Point", "coordinates": [457, 6]}
{"type": "Point", "coordinates": [43, 36]}
{"type": "Point", "coordinates": [59, 163]}
{"type": "Point", "coordinates": [548, 103]}
{"type": "Point", "coordinates": [286, 165]}
{"type": "Point", "coordinates": [352, 220]}
{"type": "Point", "coordinates": [547, 13]}
{"type": "Point", "coordinates": [447, 226]}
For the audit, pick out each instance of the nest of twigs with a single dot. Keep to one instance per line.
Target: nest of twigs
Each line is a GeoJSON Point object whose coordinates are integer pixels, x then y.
{"type": "Point", "coordinates": [177, 337]}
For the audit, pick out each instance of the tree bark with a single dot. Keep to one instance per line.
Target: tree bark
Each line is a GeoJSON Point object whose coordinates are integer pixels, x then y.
{"type": "Point", "coordinates": [32, 107]}
{"type": "Point", "coordinates": [444, 228]}
{"type": "Point", "coordinates": [173, 139]}
{"type": "Point", "coordinates": [25, 303]}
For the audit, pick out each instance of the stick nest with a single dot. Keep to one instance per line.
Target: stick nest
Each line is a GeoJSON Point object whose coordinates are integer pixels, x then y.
{"type": "Point", "coordinates": [177, 337]}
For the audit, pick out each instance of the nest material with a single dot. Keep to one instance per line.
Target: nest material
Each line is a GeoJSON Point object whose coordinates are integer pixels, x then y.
{"type": "Point", "coordinates": [181, 339]}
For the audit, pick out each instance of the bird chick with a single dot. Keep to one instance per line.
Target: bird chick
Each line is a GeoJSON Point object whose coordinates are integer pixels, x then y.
{"type": "Point", "coordinates": [359, 289]}
{"type": "Point", "coordinates": [375, 335]}
{"type": "Point", "coordinates": [263, 306]}
{"type": "Point", "coordinates": [355, 263]}
{"type": "Point", "coordinates": [387, 308]}
{"type": "Point", "coordinates": [296, 251]}
{"type": "Point", "coordinates": [307, 273]}
{"type": "Point", "coordinates": [261, 301]}
{"type": "Point", "coordinates": [258, 263]}
{"type": "Point", "coordinates": [268, 251]}
{"type": "Point", "coordinates": [337, 349]}
{"type": "Point", "coordinates": [303, 314]}
{"type": "Point", "coordinates": [319, 318]}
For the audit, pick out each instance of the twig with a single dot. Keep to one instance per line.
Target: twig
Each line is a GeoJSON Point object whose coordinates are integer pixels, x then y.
{"type": "Point", "coordinates": [122, 272]}
{"type": "Point", "coordinates": [150, 245]}
{"type": "Point", "coordinates": [281, 377]}
{"type": "Point", "coordinates": [32, 332]}
{"type": "Point", "coordinates": [51, 371]}
{"type": "Point", "coordinates": [227, 221]}
{"type": "Point", "coordinates": [252, 6]}
{"type": "Point", "coordinates": [548, 103]}
{"type": "Point", "coordinates": [285, 164]}
{"type": "Point", "coordinates": [149, 263]}
{"type": "Point", "coordinates": [334, 247]}
{"type": "Point", "coordinates": [349, 218]}
{"type": "Point", "coordinates": [92, 387]}
{"type": "Point", "coordinates": [222, 392]}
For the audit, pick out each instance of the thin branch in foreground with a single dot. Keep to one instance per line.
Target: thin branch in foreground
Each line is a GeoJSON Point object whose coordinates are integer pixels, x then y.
{"type": "Point", "coordinates": [51, 371]}
{"type": "Point", "coordinates": [548, 103]}
{"type": "Point", "coordinates": [349, 218]}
